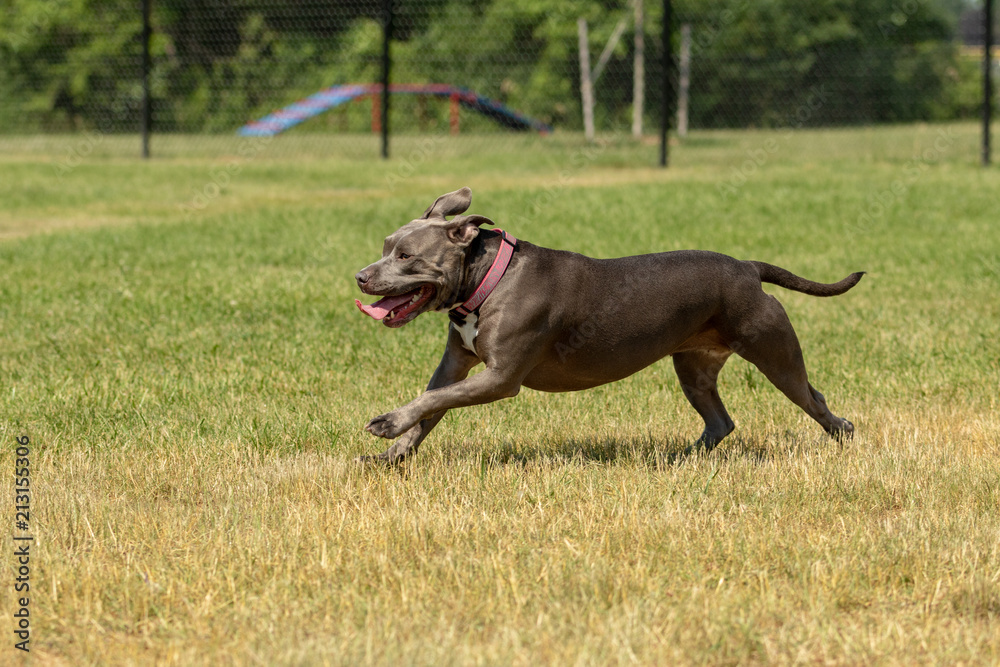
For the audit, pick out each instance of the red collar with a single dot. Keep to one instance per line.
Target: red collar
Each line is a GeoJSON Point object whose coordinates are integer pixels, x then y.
{"type": "Point", "coordinates": [492, 277]}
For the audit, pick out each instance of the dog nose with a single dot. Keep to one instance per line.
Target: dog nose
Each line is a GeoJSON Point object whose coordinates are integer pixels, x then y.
{"type": "Point", "coordinates": [362, 277]}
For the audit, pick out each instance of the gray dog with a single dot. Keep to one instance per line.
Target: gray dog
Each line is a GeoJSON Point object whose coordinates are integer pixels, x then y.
{"type": "Point", "coordinates": [558, 321]}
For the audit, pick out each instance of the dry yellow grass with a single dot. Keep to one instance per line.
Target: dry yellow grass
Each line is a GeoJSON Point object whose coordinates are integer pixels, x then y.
{"type": "Point", "coordinates": [884, 550]}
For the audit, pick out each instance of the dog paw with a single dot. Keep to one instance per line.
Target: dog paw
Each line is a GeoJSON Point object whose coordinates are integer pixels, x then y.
{"type": "Point", "coordinates": [398, 452]}
{"type": "Point", "coordinates": [843, 431]}
{"type": "Point", "coordinates": [390, 458]}
{"type": "Point", "coordinates": [385, 426]}
{"type": "Point", "coordinates": [371, 459]}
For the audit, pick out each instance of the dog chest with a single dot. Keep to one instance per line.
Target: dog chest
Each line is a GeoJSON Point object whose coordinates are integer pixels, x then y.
{"type": "Point", "coordinates": [468, 331]}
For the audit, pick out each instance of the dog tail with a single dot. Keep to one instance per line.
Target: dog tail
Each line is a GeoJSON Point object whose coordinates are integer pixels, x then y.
{"type": "Point", "coordinates": [769, 273]}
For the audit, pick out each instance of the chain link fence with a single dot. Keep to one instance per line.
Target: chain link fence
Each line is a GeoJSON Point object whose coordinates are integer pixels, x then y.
{"type": "Point", "coordinates": [309, 70]}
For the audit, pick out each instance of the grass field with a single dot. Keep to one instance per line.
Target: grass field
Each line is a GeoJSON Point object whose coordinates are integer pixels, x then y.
{"type": "Point", "coordinates": [178, 340]}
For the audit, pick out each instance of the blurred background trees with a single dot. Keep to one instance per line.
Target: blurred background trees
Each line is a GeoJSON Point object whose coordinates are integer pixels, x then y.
{"type": "Point", "coordinates": [75, 64]}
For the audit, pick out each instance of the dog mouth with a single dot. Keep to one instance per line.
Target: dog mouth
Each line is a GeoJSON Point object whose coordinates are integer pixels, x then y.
{"type": "Point", "coordinates": [395, 311]}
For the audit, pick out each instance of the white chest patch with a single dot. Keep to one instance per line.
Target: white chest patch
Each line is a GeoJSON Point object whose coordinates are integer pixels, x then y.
{"type": "Point", "coordinates": [469, 331]}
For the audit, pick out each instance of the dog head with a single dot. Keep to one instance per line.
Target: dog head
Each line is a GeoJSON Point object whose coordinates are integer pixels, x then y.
{"type": "Point", "coordinates": [423, 262]}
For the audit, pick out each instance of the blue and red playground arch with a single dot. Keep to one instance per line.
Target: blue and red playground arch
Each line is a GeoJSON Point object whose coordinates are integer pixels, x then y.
{"type": "Point", "coordinates": [334, 96]}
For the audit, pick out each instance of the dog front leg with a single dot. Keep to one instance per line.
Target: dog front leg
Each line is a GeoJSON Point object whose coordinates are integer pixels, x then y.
{"type": "Point", "coordinates": [486, 387]}
{"type": "Point", "coordinates": [454, 367]}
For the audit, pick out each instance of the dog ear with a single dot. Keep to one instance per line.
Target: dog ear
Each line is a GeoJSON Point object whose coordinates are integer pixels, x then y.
{"type": "Point", "coordinates": [452, 203]}
{"type": "Point", "coordinates": [464, 228]}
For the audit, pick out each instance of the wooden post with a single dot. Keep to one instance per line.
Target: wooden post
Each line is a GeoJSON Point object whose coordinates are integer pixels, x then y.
{"type": "Point", "coordinates": [586, 85]}
{"type": "Point", "coordinates": [377, 114]}
{"type": "Point", "coordinates": [608, 51]}
{"type": "Point", "coordinates": [638, 70]}
{"type": "Point", "coordinates": [685, 81]}
{"type": "Point", "coordinates": [453, 107]}
{"type": "Point", "coordinates": [422, 113]}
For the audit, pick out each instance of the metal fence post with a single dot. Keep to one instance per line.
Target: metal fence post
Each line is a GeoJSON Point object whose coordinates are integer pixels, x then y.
{"type": "Point", "coordinates": [147, 111]}
{"type": "Point", "coordinates": [386, 63]}
{"type": "Point", "coordinates": [987, 78]}
{"type": "Point", "coordinates": [667, 65]}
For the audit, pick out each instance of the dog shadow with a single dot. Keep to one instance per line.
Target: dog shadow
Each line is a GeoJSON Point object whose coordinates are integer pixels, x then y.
{"type": "Point", "coordinates": [651, 453]}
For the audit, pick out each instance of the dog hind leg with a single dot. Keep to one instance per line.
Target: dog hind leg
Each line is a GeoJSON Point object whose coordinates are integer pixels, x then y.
{"type": "Point", "coordinates": [771, 345]}
{"type": "Point", "coordinates": [698, 371]}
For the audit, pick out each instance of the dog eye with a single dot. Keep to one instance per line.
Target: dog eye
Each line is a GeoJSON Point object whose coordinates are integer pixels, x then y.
{"type": "Point", "coordinates": [403, 255]}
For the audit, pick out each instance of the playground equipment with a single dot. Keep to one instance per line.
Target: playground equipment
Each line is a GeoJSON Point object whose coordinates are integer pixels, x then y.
{"type": "Point", "coordinates": [334, 96]}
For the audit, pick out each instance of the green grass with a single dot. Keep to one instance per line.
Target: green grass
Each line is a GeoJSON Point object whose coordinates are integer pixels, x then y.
{"type": "Point", "coordinates": [194, 377]}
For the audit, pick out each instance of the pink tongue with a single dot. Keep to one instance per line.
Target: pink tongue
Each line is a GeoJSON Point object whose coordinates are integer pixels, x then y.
{"type": "Point", "coordinates": [383, 307]}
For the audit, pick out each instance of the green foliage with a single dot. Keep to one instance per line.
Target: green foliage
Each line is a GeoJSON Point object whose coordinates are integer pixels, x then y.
{"type": "Point", "coordinates": [63, 68]}
{"type": "Point", "coordinates": [75, 64]}
{"type": "Point", "coordinates": [821, 63]}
